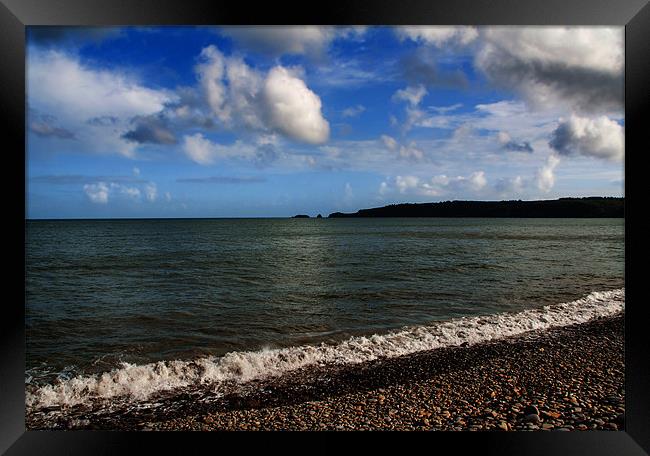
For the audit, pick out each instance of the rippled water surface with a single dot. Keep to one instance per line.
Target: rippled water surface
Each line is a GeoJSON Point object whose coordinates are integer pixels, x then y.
{"type": "Point", "coordinates": [102, 292]}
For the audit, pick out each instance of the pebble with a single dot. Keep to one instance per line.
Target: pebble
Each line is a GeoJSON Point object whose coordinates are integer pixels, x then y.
{"type": "Point", "coordinates": [447, 389]}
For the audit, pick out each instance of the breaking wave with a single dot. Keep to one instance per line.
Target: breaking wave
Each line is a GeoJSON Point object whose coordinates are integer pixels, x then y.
{"type": "Point", "coordinates": [135, 382]}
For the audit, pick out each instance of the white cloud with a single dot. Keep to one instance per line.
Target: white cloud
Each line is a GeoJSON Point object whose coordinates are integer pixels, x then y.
{"type": "Point", "coordinates": [445, 109]}
{"type": "Point", "coordinates": [598, 137]}
{"type": "Point", "coordinates": [477, 180]}
{"type": "Point", "coordinates": [239, 96]}
{"type": "Point", "coordinates": [503, 137]}
{"type": "Point", "coordinates": [201, 150]}
{"type": "Point", "coordinates": [404, 183]}
{"type": "Point", "coordinates": [389, 142]}
{"type": "Point", "coordinates": [546, 176]}
{"type": "Point", "coordinates": [151, 192]}
{"type": "Point", "coordinates": [435, 186]}
{"type": "Point", "coordinates": [463, 131]}
{"type": "Point", "coordinates": [437, 35]}
{"type": "Point", "coordinates": [131, 192]}
{"type": "Point", "coordinates": [409, 151]}
{"type": "Point", "coordinates": [136, 171]}
{"type": "Point", "coordinates": [412, 95]}
{"type": "Point", "coordinates": [509, 186]}
{"type": "Point", "coordinates": [353, 111]}
{"type": "Point", "coordinates": [294, 109]}
{"type": "Point", "coordinates": [100, 192]}
{"type": "Point", "coordinates": [59, 83]}
{"type": "Point", "coordinates": [97, 193]}
{"type": "Point", "coordinates": [348, 193]}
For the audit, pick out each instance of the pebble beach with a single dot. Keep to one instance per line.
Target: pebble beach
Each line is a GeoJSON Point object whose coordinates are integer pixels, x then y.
{"type": "Point", "coordinates": [564, 379]}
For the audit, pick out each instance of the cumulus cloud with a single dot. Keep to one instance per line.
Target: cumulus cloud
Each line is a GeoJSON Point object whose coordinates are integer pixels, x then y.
{"type": "Point", "coordinates": [435, 186]}
{"type": "Point", "coordinates": [97, 193]}
{"type": "Point", "coordinates": [101, 191]}
{"type": "Point", "coordinates": [546, 174]}
{"type": "Point", "coordinates": [598, 137]}
{"type": "Point", "coordinates": [581, 67]}
{"type": "Point", "coordinates": [294, 109]}
{"type": "Point", "coordinates": [131, 192]}
{"type": "Point", "coordinates": [200, 149]}
{"type": "Point", "coordinates": [437, 35]}
{"type": "Point", "coordinates": [280, 101]}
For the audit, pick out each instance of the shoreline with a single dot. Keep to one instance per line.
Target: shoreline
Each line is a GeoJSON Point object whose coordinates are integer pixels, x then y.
{"type": "Point", "coordinates": [566, 378]}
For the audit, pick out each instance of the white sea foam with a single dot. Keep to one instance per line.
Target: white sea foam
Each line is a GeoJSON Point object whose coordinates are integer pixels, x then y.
{"type": "Point", "coordinates": [139, 382]}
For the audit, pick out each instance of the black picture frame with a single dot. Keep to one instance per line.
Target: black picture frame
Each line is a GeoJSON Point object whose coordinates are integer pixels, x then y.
{"type": "Point", "coordinates": [15, 15]}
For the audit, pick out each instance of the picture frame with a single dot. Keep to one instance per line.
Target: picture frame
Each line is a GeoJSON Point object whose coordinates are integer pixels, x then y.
{"type": "Point", "coordinates": [15, 15]}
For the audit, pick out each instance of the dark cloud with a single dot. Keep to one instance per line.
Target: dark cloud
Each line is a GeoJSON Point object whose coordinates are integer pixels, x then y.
{"type": "Point", "coordinates": [103, 121]}
{"type": "Point", "coordinates": [562, 139]}
{"type": "Point", "coordinates": [265, 155]}
{"type": "Point", "coordinates": [44, 125]}
{"type": "Point", "coordinates": [190, 110]}
{"type": "Point", "coordinates": [514, 146]}
{"type": "Point", "coordinates": [420, 67]}
{"type": "Point", "coordinates": [45, 129]}
{"type": "Point", "coordinates": [587, 89]}
{"type": "Point", "coordinates": [150, 130]}
{"type": "Point", "coordinates": [221, 180]}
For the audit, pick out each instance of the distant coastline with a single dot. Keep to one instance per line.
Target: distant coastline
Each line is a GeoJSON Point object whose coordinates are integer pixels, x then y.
{"type": "Point", "coordinates": [589, 207]}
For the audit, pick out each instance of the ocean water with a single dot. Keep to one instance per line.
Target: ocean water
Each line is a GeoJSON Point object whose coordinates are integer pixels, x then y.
{"type": "Point", "coordinates": [123, 310]}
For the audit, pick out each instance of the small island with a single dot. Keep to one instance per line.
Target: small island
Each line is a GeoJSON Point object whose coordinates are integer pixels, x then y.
{"type": "Point", "coordinates": [588, 207]}
{"type": "Point", "coordinates": [300, 216]}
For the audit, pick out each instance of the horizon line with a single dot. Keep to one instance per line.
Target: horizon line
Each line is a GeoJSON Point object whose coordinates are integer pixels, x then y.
{"type": "Point", "coordinates": [309, 216]}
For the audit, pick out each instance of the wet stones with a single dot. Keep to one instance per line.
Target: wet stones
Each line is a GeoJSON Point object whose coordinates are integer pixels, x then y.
{"type": "Point", "coordinates": [575, 384]}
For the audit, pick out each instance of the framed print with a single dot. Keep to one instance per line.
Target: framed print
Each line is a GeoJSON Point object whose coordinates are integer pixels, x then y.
{"type": "Point", "coordinates": [371, 217]}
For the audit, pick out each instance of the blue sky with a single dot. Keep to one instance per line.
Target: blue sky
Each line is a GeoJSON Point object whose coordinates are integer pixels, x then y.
{"type": "Point", "coordinates": [275, 121]}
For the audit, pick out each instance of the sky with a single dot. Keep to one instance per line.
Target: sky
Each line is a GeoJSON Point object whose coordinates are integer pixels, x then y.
{"type": "Point", "coordinates": [275, 121]}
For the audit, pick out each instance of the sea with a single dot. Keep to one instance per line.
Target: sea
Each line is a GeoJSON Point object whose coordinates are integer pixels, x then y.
{"type": "Point", "coordinates": [120, 312]}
